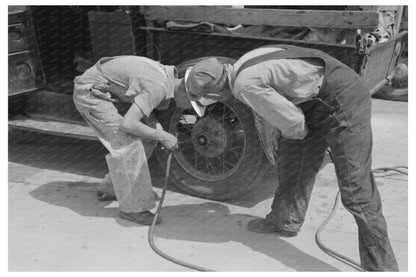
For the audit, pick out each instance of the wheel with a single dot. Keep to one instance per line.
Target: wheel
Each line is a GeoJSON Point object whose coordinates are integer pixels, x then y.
{"type": "Point", "coordinates": [220, 155]}
{"type": "Point", "coordinates": [398, 89]}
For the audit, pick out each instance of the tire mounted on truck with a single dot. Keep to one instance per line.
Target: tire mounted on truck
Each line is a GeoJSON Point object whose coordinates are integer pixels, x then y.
{"type": "Point", "coordinates": [220, 155]}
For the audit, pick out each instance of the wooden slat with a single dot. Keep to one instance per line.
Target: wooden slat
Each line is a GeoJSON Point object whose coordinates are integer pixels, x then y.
{"type": "Point", "coordinates": [149, 41]}
{"type": "Point", "coordinates": [52, 127]}
{"type": "Point", "coordinates": [398, 19]}
{"type": "Point", "coordinates": [380, 8]}
{"type": "Point", "coordinates": [271, 39]}
{"type": "Point", "coordinates": [277, 17]}
{"type": "Point", "coordinates": [389, 8]}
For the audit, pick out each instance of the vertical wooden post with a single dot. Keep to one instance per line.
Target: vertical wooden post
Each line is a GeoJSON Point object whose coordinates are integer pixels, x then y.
{"type": "Point", "coordinates": [149, 43]}
{"type": "Point", "coordinates": [398, 19]}
{"type": "Point", "coordinates": [150, 51]}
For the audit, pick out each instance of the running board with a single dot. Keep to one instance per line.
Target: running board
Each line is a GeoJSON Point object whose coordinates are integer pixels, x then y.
{"type": "Point", "coordinates": [51, 127]}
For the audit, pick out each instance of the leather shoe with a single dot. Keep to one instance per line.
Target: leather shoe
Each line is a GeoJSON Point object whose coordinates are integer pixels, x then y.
{"type": "Point", "coordinates": [143, 218]}
{"type": "Point", "coordinates": [261, 225]}
{"type": "Point", "coordinates": [105, 196]}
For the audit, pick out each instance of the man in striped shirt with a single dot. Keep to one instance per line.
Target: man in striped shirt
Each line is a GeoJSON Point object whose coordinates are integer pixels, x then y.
{"type": "Point", "coordinates": [147, 85]}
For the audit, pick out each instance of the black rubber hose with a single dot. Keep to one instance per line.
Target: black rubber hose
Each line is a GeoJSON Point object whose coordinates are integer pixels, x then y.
{"type": "Point", "coordinates": [328, 250]}
{"type": "Point", "coordinates": [318, 240]}
{"type": "Point", "coordinates": [150, 233]}
{"type": "Point", "coordinates": [340, 257]}
{"type": "Point", "coordinates": [385, 169]}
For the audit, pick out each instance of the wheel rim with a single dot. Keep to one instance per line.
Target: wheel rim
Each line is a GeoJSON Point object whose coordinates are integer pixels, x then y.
{"type": "Point", "coordinates": [213, 147]}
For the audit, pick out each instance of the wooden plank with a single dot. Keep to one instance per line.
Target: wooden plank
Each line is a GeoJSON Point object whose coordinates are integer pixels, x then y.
{"type": "Point", "coordinates": [388, 8]}
{"type": "Point", "coordinates": [271, 39]}
{"type": "Point", "coordinates": [277, 17]}
{"type": "Point", "coordinates": [52, 127]}
{"type": "Point", "coordinates": [369, 8]}
{"type": "Point", "coordinates": [381, 8]}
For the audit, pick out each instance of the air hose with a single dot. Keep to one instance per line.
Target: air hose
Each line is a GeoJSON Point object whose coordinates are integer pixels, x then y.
{"type": "Point", "coordinates": [326, 249]}
{"type": "Point", "coordinates": [150, 233]}
{"type": "Point", "coordinates": [340, 257]}
{"type": "Point", "coordinates": [336, 255]}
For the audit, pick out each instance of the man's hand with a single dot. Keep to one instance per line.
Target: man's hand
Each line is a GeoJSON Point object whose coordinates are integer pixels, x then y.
{"type": "Point", "coordinates": [304, 133]}
{"type": "Point", "coordinates": [115, 90]}
{"type": "Point", "coordinates": [301, 135]}
{"type": "Point", "coordinates": [104, 87]}
{"type": "Point", "coordinates": [169, 141]}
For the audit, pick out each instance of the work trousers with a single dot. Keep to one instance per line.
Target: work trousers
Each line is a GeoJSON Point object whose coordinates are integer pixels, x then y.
{"type": "Point", "coordinates": [351, 146]}
{"type": "Point", "coordinates": [129, 176]}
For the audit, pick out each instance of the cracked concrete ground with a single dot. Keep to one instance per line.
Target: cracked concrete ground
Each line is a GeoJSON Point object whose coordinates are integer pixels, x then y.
{"type": "Point", "coordinates": [56, 223]}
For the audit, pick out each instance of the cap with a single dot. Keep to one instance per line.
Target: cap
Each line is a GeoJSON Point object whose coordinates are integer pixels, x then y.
{"type": "Point", "coordinates": [203, 77]}
{"type": "Point", "coordinates": [199, 103]}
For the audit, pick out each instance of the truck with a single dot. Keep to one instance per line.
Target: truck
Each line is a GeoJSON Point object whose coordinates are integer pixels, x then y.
{"type": "Point", "coordinates": [224, 154]}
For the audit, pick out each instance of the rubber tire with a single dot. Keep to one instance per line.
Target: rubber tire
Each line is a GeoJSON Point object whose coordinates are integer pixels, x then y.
{"type": "Point", "coordinates": [250, 171]}
{"type": "Point", "coordinates": [398, 90]}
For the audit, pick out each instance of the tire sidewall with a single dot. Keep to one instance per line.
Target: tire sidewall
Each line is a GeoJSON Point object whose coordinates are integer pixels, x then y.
{"type": "Point", "coordinates": [250, 170]}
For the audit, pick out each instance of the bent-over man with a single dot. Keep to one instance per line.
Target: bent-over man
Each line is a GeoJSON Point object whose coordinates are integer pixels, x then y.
{"type": "Point", "coordinates": [130, 139]}
{"type": "Point", "coordinates": [316, 102]}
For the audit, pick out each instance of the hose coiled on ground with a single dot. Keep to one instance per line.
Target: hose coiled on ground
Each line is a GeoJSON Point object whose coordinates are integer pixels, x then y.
{"type": "Point", "coordinates": [336, 255]}
{"type": "Point", "coordinates": [150, 233]}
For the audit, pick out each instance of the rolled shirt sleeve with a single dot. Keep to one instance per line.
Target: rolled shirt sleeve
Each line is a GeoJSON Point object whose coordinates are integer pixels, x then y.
{"type": "Point", "coordinates": [149, 96]}
{"type": "Point", "coordinates": [274, 108]}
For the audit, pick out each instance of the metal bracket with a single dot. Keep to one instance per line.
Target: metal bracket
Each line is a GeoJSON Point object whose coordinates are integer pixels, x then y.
{"type": "Point", "coordinates": [362, 44]}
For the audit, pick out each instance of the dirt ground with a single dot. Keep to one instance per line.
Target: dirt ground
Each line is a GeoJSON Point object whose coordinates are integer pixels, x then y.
{"type": "Point", "coordinates": [56, 223]}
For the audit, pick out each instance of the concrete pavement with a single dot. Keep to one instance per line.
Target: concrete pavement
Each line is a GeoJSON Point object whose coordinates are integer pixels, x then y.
{"type": "Point", "coordinates": [56, 223]}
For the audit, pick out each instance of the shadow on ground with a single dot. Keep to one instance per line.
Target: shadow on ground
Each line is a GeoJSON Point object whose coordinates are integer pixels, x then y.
{"type": "Point", "coordinates": [57, 153]}
{"type": "Point", "coordinates": [212, 222]}
{"type": "Point", "coordinates": [88, 158]}
{"type": "Point", "coordinates": [80, 197]}
{"type": "Point", "coordinates": [208, 222]}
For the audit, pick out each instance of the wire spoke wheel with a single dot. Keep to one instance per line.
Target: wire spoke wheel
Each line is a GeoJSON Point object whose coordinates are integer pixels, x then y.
{"type": "Point", "coordinates": [219, 155]}
{"type": "Point", "coordinates": [210, 148]}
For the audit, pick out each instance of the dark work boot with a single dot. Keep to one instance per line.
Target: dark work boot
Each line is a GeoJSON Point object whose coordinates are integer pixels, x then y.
{"type": "Point", "coordinates": [261, 225]}
{"type": "Point", "coordinates": [105, 196]}
{"type": "Point", "coordinates": [143, 218]}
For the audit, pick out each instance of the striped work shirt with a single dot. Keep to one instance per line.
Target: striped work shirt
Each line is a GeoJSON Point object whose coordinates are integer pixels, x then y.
{"type": "Point", "coordinates": [148, 83]}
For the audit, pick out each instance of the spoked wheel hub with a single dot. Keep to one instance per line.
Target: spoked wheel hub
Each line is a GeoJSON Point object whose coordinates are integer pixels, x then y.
{"type": "Point", "coordinates": [209, 137]}
{"type": "Point", "coordinates": [210, 148]}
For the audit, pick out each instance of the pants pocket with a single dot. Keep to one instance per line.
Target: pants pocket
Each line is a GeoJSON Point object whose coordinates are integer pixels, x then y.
{"type": "Point", "coordinates": [324, 117]}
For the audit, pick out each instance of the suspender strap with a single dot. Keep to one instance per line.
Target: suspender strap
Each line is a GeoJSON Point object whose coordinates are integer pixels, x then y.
{"type": "Point", "coordinates": [258, 59]}
{"type": "Point", "coordinates": [295, 53]}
